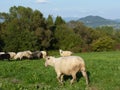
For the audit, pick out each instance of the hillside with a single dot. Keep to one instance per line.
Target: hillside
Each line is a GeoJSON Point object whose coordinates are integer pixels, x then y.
{"type": "Point", "coordinates": [96, 21]}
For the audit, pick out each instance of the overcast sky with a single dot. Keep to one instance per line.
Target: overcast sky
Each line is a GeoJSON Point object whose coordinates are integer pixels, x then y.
{"type": "Point", "coordinates": [109, 9]}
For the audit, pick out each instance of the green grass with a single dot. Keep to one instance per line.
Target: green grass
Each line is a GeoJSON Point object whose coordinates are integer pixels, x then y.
{"type": "Point", "coordinates": [103, 69]}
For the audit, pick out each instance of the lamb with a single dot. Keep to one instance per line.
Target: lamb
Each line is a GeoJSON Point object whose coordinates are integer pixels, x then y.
{"type": "Point", "coordinates": [65, 53]}
{"type": "Point", "coordinates": [69, 65]}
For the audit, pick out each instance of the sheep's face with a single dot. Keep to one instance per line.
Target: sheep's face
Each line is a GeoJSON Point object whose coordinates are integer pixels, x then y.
{"type": "Point", "coordinates": [49, 61]}
{"type": "Point", "coordinates": [44, 54]}
{"type": "Point", "coordinates": [60, 51]}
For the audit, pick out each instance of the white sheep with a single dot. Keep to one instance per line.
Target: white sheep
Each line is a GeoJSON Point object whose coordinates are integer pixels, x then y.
{"type": "Point", "coordinates": [65, 53]}
{"type": "Point", "coordinates": [24, 54]}
{"type": "Point", "coordinates": [12, 54]}
{"type": "Point", "coordinates": [2, 52]}
{"type": "Point", "coordinates": [19, 55]}
{"type": "Point", "coordinates": [67, 66]}
{"type": "Point", "coordinates": [44, 54]}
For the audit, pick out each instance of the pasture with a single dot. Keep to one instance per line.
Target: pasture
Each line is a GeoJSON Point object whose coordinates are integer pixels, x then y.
{"type": "Point", "coordinates": [103, 69]}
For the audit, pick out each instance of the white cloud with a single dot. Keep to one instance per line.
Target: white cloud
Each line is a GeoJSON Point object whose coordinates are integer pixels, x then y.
{"type": "Point", "coordinates": [41, 1]}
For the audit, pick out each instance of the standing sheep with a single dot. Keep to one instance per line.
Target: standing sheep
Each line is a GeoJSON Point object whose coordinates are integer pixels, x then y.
{"type": "Point", "coordinates": [67, 66]}
{"type": "Point", "coordinates": [65, 53]}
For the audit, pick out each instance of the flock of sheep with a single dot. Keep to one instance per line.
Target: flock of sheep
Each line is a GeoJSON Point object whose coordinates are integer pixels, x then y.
{"type": "Point", "coordinates": [66, 64]}
{"type": "Point", "coordinates": [22, 55]}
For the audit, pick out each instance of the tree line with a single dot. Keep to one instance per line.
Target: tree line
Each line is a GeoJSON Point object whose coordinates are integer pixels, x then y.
{"type": "Point", "coordinates": [25, 29]}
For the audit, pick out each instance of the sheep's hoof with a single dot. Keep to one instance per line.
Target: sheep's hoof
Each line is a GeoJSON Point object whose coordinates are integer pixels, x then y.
{"type": "Point", "coordinates": [71, 82]}
{"type": "Point", "coordinates": [61, 83]}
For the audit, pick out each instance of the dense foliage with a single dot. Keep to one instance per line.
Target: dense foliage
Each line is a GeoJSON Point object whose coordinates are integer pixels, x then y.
{"type": "Point", "coordinates": [26, 29]}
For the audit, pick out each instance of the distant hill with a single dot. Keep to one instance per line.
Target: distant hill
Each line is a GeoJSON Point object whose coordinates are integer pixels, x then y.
{"type": "Point", "coordinates": [117, 20]}
{"type": "Point", "coordinates": [96, 21]}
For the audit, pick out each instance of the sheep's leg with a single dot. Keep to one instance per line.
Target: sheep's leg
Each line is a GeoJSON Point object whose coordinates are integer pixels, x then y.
{"type": "Point", "coordinates": [85, 76]}
{"type": "Point", "coordinates": [73, 78]}
{"type": "Point", "coordinates": [62, 78]}
{"type": "Point", "coordinates": [59, 77]}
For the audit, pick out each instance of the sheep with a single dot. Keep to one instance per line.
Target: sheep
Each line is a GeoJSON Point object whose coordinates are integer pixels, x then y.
{"type": "Point", "coordinates": [12, 54]}
{"type": "Point", "coordinates": [69, 65]}
{"type": "Point", "coordinates": [24, 54]}
{"type": "Point", "coordinates": [36, 55]}
{"type": "Point", "coordinates": [5, 56]}
{"type": "Point", "coordinates": [19, 55]}
{"type": "Point", "coordinates": [2, 52]}
{"type": "Point", "coordinates": [44, 54]}
{"type": "Point", "coordinates": [65, 53]}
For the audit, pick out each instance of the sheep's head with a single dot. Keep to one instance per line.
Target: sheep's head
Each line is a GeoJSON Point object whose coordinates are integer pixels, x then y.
{"type": "Point", "coordinates": [60, 50]}
{"type": "Point", "coordinates": [49, 60]}
{"type": "Point", "coordinates": [44, 54]}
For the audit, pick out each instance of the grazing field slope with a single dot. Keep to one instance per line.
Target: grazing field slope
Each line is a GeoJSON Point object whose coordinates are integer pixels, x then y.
{"type": "Point", "coordinates": [103, 69]}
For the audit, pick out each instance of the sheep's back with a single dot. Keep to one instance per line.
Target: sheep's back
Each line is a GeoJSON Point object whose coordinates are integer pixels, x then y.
{"type": "Point", "coordinates": [67, 64]}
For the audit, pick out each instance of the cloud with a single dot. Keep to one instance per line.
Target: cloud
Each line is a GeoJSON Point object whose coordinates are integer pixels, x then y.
{"type": "Point", "coordinates": [41, 1]}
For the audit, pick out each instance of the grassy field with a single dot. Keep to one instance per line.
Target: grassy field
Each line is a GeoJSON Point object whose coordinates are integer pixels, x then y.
{"type": "Point", "coordinates": [103, 69]}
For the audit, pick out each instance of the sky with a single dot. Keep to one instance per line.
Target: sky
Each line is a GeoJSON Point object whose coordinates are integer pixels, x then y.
{"type": "Point", "coordinates": [109, 9]}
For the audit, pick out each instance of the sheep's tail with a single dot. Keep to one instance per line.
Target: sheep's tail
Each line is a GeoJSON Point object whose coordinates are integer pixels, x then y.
{"type": "Point", "coordinates": [82, 68]}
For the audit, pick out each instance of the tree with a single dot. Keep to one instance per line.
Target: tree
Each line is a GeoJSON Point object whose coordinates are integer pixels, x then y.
{"type": "Point", "coordinates": [50, 23]}
{"type": "Point", "coordinates": [38, 20]}
{"type": "Point", "coordinates": [18, 40]}
{"type": "Point", "coordinates": [1, 43]}
{"type": "Point", "coordinates": [103, 44]}
{"type": "Point", "coordinates": [66, 39]}
{"type": "Point", "coordinates": [44, 38]}
{"type": "Point", "coordinates": [20, 26]}
{"type": "Point", "coordinates": [59, 21]}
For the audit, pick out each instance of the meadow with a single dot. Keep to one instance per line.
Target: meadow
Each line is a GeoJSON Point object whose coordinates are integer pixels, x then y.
{"type": "Point", "coordinates": [103, 69]}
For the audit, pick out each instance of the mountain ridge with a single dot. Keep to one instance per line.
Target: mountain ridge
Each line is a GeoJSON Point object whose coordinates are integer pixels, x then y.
{"type": "Point", "coordinates": [97, 21]}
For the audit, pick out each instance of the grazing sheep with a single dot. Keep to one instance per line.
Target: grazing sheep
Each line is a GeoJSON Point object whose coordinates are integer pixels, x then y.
{"type": "Point", "coordinates": [67, 66]}
{"type": "Point", "coordinates": [36, 55]}
{"type": "Point", "coordinates": [5, 56]}
{"type": "Point", "coordinates": [12, 54]}
{"type": "Point", "coordinates": [24, 54]}
{"type": "Point", "coordinates": [65, 53]}
{"type": "Point", "coordinates": [19, 55]}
